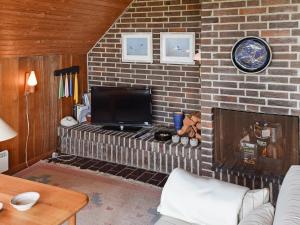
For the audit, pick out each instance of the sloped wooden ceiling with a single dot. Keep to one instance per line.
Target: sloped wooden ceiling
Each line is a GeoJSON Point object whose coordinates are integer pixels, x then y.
{"type": "Point", "coordinates": [38, 27]}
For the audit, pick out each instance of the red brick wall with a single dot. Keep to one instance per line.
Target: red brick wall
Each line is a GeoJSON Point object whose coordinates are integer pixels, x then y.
{"type": "Point", "coordinates": [175, 87]}
{"type": "Point", "coordinates": [275, 90]}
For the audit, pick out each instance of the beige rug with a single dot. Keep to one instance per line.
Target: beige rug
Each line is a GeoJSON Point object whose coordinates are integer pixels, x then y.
{"type": "Point", "coordinates": [113, 200]}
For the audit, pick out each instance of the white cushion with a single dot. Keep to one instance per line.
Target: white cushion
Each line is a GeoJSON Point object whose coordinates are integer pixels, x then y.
{"type": "Point", "coordinates": [253, 199]}
{"type": "Point", "coordinates": [288, 203]}
{"type": "Point", "coordinates": [165, 220]}
{"type": "Point", "coordinates": [200, 200]}
{"type": "Point", "coordinates": [263, 215]}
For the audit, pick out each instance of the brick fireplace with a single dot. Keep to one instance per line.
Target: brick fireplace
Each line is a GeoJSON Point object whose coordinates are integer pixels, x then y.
{"type": "Point", "coordinates": [268, 144]}
{"type": "Point", "coordinates": [274, 91]}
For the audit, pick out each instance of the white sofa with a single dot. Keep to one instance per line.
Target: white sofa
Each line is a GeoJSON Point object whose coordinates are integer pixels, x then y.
{"type": "Point", "coordinates": [287, 210]}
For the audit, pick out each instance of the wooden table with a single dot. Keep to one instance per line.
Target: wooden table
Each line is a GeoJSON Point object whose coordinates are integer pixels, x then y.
{"type": "Point", "coordinates": [55, 206]}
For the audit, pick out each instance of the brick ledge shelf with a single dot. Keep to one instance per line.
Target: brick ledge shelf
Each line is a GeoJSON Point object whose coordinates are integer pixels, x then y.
{"type": "Point", "coordinates": [120, 147]}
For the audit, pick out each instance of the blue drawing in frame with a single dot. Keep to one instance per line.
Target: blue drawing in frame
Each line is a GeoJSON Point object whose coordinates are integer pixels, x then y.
{"type": "Point", "coordinates": [137, 47]}
{"type": "Point", "coordinates": [251, 55]}
{"type": "Point", "coordinates": [176, 47]}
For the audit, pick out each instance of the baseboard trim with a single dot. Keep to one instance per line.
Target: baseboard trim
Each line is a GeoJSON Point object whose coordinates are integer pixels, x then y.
{"type": "Point", "coordinates": [32, 161]}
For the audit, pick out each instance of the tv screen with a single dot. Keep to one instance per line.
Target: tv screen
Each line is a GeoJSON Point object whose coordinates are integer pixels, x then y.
{"type": "Point", "coordinates": [121, 106]}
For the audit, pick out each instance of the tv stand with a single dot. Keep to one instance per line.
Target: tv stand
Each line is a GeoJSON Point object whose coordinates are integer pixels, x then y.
{"type": "Point", "coordinates": [129, 148]}
{"type": "Point", "coordinates": [122, 128]}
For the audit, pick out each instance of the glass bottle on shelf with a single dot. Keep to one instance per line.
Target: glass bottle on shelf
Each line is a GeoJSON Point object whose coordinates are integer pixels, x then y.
{"type": "Point", "coordinates": [262, 133]}
{"type": "Point", "coordinates": [249, 147]}
{"type": "Point", "coordinates": [274, 149]}
{"type": "Point", "coordinates": [252, 135]}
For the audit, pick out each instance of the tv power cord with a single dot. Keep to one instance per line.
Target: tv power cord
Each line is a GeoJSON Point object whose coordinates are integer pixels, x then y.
{"type": "Point", "coordinates": [62, 158]}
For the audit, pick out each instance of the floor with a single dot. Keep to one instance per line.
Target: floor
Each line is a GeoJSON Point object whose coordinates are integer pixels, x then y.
{"type": "Point", "coordinates": [112, 200]}
{"type": "Point", "coordinates": [142, 175]}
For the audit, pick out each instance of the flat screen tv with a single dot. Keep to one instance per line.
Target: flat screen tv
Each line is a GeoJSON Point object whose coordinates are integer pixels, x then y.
{"type": "Point", "coordinates": [121, 106]}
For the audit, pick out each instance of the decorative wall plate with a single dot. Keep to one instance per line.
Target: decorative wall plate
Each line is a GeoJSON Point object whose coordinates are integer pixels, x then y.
{"type": "Point", "coordinates": [251, 55]}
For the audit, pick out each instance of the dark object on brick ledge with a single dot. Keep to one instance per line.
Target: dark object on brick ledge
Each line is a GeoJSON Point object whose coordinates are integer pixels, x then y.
{"type": "Point", "coordinates": [162, 135]}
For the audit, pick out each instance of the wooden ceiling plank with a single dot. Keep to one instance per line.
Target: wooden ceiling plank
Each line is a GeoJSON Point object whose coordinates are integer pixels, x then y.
{"type": "Point", "coordinates": [46, 26]}
{"type": "Point", "coordinates": [40, 11]}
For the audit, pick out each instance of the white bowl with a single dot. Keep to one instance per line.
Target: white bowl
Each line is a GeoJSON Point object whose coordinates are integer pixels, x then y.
{"type": "Point", "coordinates": [1, 206]}
{"type": "Point", "coordinates": [24, 201]}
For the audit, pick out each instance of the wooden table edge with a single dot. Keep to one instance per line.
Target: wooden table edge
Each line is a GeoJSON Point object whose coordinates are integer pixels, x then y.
{"type": "Point", "coordinates": [72, 216]}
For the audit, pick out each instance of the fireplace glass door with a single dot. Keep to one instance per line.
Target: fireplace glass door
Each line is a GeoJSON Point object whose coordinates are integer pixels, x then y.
{"type": "Point", "coordinates": [267, 143]}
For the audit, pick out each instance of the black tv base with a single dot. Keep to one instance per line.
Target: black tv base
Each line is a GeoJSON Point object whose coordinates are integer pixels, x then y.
{"type": "Point", "coordinates": [122, 128]}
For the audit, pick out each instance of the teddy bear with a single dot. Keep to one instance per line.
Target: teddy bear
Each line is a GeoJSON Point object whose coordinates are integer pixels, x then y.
{"type": "Point", "coordinates": [191, 126]}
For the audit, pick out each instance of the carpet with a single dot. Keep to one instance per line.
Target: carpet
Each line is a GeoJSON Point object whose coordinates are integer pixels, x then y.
{"type": "Point", "coordinates": [113, 200]}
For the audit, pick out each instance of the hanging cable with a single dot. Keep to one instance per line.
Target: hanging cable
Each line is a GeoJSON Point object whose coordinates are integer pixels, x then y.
{"type": "Point", "coordinates": [64, 158]}
{"type": "Point", "coordinates": [28, 130]}
{"type": "Point", "coordinates": [61, 158]}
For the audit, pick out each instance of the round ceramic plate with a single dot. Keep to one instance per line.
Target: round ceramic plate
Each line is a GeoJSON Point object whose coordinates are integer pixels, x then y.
{"type": "Point", "coordinates": [251, 55]}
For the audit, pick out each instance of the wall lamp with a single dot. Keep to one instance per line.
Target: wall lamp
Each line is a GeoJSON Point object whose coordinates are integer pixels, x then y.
{"type": "Point", "coordinates": [30, 83]}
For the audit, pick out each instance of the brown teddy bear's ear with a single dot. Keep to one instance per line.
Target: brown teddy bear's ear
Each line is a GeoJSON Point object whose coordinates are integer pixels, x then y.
{"type": "Point", "coordinates": [195, 119]}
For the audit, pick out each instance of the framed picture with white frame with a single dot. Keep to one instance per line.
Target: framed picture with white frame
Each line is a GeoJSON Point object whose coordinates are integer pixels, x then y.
{"type": "Point", "coordinates": [137, 47]}
{"type": "Point", "coordinates": [177, 48]}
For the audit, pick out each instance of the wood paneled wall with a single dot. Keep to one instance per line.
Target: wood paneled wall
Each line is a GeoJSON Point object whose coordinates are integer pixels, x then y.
{"type": "Point", "coordinates": [45, 109]}
{"type": "Point", "coordinates": [35, 27]}
{"type": "Point", "coordinates": [45, 36]}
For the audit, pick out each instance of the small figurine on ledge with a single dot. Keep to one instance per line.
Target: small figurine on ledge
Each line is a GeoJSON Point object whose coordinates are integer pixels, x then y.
{"type": "Point", "coordinates": [191, 126]}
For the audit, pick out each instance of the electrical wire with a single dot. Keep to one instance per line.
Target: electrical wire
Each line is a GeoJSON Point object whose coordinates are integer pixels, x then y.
{"type": "Point", "coordinates": [59, 158]}
{"type": "Point", "coordinates": [28, 130]}
{"type": "Point", "coordinates": [62, 158]}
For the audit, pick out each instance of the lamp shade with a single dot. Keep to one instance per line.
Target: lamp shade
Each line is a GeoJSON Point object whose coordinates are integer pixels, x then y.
{"type": "Point", "coordinates": [32, 79]}
{"type": "Point", "coordinates": [6, 132]}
